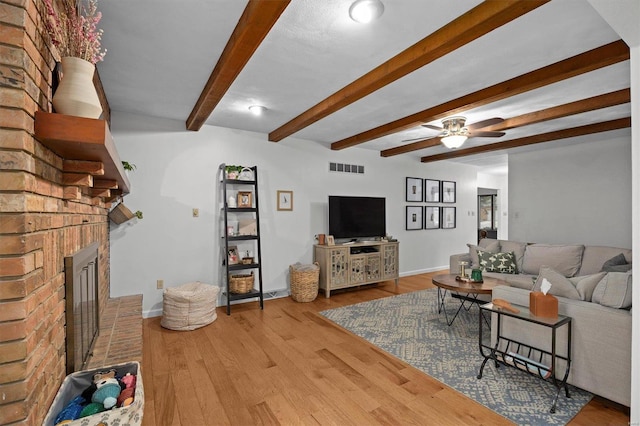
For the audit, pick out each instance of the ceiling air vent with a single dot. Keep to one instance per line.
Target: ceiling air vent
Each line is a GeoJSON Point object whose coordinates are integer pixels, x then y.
{"type": "Point", "coordinates": [346, 168]}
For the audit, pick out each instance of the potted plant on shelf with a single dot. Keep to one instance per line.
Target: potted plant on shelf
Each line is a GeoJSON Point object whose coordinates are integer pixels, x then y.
{"type": "Point", "coordinates": [73, 31]}
{"type": "Point", "coordinates": [232, 172]}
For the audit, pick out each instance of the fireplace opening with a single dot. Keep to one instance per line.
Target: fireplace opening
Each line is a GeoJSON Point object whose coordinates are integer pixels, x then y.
{"type": "Point", "coordinates": [82, 309]}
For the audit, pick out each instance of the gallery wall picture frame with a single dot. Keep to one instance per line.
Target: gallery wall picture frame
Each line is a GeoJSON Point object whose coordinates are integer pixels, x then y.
{"type": "Point", "coordinates": [448, 219]}
{"type": "Point", "coordinates": [431, 217]}
{"type": "Point", "coordinates": [285, 200]}
{"type": "Point", "coordinates": [414, 218]}
{"type": "Point", "coordinates": [244, 199]}
{"type": "Point", "coordinates": [431, 191]}
{"type": "Point", "coordinates": [448, 191]}
{"type": "Point", "coordinates": [414, 189]}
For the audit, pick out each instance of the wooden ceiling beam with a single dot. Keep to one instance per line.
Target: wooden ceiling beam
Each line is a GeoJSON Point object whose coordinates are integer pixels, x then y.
{"type": "Point", "coordinates": [591, 60]}
{"type": "Point", "coordinates": [606, 100]}
{"type": "Point", "coordinates": [604, 126]}
{"type": "Point", "coordinates": [254, 25]}
{"type": "Point", "coordinates": [477, 22]}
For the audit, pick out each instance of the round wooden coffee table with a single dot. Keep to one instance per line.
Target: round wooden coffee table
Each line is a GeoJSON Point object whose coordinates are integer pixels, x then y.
{"type": "Point", "coordinates": [463, 291]}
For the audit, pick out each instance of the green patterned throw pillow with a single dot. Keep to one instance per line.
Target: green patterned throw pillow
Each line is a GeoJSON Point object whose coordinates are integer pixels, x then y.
{"type": "Point", "coordinates": [504, 263]}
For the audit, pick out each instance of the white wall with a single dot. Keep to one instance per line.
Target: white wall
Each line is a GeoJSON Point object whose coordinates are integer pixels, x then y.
{"type": "Point", "coordinates": [176, 172]}
{"type": "Point", "coordinates": [577, 193]}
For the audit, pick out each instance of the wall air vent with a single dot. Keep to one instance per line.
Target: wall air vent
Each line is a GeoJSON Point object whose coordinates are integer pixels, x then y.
{"type": "Point", "coordinates": [346, 168]}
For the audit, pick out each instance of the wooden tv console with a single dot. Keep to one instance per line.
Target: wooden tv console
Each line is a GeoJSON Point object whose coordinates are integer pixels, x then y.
{"type": "Point", "coordinates": [350, 265]}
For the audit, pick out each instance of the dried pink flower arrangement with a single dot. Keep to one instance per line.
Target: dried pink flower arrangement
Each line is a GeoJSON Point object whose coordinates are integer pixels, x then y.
{"type": "Point", "coordinates": [74, 29]}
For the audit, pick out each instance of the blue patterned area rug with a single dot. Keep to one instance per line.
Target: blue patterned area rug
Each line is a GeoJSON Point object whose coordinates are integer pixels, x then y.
{"type": "Point", "coordinates": [409, 327]}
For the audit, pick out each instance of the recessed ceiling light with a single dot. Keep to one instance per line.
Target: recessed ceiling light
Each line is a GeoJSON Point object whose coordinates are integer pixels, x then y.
{"type": "Point", "coordinates": [365, 11]}
{"type": "Point", "coordinates": [257, 109]}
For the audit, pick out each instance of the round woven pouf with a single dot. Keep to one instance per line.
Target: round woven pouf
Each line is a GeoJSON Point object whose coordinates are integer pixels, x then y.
{"type": "Point", "coordinates": [189, 306]}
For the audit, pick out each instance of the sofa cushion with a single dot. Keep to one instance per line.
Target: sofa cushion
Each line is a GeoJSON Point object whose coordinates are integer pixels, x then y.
{"type": "Point", "coordinates": [517, 248]}
{"type": "Point", "coordinates": [492, 246]}
{"type": "Point", "coordinates": [504, 263]}
{"type": "Point", "coordinates": [565, 259]}
{"type": "Point", "coordinates": [594, 257]}
{"type": "Point", "coordinates": [614, 290]}
{"type": "Point", "coordinates": [560, 285]}
{"type": "Point", "coordinates": [585, 284]}
{"type": "Point", "coordinates": [616, 264]}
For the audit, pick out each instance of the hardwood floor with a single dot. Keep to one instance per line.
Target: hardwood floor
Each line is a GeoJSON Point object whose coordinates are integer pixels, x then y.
{"type": "Point", "coordinates": [288, 365]}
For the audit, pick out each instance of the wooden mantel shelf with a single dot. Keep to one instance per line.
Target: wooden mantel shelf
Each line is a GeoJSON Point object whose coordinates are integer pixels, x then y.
{"type": "Point", "coordinates": [77, 138]}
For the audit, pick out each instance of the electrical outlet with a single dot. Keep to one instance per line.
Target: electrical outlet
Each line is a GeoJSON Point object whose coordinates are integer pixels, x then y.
{"type": "Point", "coordinates": [196, 212]}
{"type": "Point", "coordinates": [160, 284]}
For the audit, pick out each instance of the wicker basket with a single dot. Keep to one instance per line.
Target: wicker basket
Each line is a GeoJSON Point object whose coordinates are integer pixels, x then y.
{"type": "Point", "coordinates": [241, 284]}
{"type": "Point", "coordinates": [304, 282]}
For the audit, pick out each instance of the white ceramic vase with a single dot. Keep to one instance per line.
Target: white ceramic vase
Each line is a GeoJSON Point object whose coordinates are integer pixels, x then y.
{"type": "Point", "coordinates": [76, 94]}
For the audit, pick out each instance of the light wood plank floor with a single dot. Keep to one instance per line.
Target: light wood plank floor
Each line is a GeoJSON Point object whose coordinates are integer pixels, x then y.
{"type": "Point", "coordinates": [288, 365]}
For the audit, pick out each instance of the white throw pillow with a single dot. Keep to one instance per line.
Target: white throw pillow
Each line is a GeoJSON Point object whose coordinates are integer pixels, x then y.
{"type": "Point", "coordinates": [614, 290]}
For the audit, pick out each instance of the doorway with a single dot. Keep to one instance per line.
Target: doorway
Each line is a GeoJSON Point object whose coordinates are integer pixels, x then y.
{"type": "Point", "coordinates": [487, 213]}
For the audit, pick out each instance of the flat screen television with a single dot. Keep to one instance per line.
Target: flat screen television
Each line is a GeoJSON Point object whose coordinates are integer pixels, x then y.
{"type": "Point", "coordinates": [357, 217]}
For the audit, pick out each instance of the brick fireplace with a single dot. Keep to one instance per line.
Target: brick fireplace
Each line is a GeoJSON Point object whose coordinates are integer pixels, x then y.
{"type": "Point", "coordinates": [40, 224]}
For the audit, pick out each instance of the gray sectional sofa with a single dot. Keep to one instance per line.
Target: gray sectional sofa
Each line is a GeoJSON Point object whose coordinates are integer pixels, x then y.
{"type": "Point", "coordinates": [593, 286]}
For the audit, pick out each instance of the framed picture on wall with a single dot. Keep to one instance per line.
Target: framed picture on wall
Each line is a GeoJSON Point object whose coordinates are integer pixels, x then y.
{"type": "Point", "coordinates": [431, 217]}
{"type": "Point", "coordinates": [414, 189]}
{"type": "Point", "coordinates": [431, 191]}
{"type": "Point", "coordinates": [448, 217]}
{"type": "Point", "coordinates": [448, 192]}
{"type": "Point", "coordinates": [285, 200]}
{"type": "Point", "coordinates": [414, 218]}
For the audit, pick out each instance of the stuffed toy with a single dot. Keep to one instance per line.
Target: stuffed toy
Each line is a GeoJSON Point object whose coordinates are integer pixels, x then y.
{"type": "Point", "coordinates": [107, 392]}
{"type": "Point", "coordinates": [71, 411]}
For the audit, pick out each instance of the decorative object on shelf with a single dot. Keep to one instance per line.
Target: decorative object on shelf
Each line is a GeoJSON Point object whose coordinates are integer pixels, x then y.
{"type": "Point", "coordinates": [448, 220]}
{"type": "Point", "coordinates": [413, 189]}
{"type": "Point", "coordinates": [448, 192]}
{"type": "Point", "coordinates": [321, 239]}
{"type": "Point", "coordinates": [432, 217]}
{"type": "Point", "coordinates": [76, 94]}
{"type": "Point", "coordinates": [244, 199]}
{"type": "Point", "coordinates": [247, 227]}
{"type": "Point", "coordinates": [231, 202]}
{"type": "Point", "coordinates": [247, 259]}
{"type": "Point", "coordinates": [431, 191]}
{"type": "Point", "coordinates": [73, 31]}
{"type": "Point", "coordinates": [241, 284]}
{"type": "Point", "coordinates": [232, 255]}
{"type": "Point", "coordinates": [121, 213]}
{"type": "Point", "coordinates": [285, 200]}
{"type": "Point", "coordinates": [414, 218]}
{"type": "Point", "coordinates": [245, 174]}
{"type": "Point", "coordinates": [130, 167]}
{"type": "Point", "coordinates": [232, 172]}
{"type": "Point", "coordinates": [330, 240]}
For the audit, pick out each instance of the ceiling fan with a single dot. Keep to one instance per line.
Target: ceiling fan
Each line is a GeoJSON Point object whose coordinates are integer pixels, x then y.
{"type": "Point", "coordinates": [454, 131]}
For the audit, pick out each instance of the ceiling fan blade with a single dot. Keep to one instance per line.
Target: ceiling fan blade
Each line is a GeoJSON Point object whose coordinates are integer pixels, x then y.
{"type": "Point", "coordinates": [429, 126]}
{"type": "Point", "coordinates": [485, 123]}
{"type": "Point", "coordinates": [419, 139]}
{"type": "Point", "coordinates": [486, 134]}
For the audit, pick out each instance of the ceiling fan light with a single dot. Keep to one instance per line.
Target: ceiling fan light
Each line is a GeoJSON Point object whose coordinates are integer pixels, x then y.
{"type": "Point", "coordinates": [257, 109]}
{"type": "Point", "coordinates": [365, 11]}
{"type": "Point", "coordinates": [453, 141]}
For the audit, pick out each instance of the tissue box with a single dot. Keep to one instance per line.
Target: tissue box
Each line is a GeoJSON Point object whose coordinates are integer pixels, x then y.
{"type": "Point", "coordinates": [543, 305]}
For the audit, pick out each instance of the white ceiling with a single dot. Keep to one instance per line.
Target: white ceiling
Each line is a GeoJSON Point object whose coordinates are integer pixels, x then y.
{"type": "Point", "coordinates": [160, 54]}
